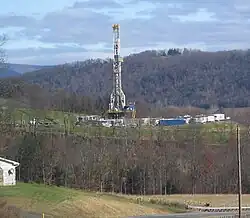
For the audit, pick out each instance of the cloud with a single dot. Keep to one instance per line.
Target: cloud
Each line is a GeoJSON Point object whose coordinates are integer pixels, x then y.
{"type": "Point", "coordinates": [47, 51]}
{"type": "Point", "coordinates": [62, 53]}
{"type": "Point", "coordinates": [84, 29]}
{"type": "Point", "coordinates": [97, 4]}
{"type": "Point", "coordinates": [201, 15]}
{"type": "Point", "coordinates": [223, 9]}
{"type": "Point", "coordinates": [16, 21]}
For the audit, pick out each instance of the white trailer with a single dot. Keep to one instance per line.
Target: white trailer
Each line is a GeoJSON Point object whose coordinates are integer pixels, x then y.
{"type": "Point", "coordinates": [210, 118]}
{"type": "Point", "coordinates": [219, 117]}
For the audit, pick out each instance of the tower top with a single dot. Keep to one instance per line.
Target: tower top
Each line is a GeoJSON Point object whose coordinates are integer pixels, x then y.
{"type": "Point", "coordinates": [116, 26]}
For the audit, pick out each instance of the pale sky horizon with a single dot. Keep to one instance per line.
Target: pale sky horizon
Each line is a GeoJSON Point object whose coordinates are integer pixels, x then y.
{"type": "Point", "coordinates": [56, 32]}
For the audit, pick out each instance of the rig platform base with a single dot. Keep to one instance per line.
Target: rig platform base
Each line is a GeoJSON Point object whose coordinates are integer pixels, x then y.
{"type": "Point", "coordinates": [116, 114]}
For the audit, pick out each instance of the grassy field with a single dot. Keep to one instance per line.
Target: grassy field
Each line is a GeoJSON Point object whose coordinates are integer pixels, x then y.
{"type": "Point", "coordinates": [56, 117]}
{"type": "Point", "coordinates": [211, 133]}
{"type": "Point", "coordinates": [196, 200]}
{"type": "Point", "coordinates": [63, 202]}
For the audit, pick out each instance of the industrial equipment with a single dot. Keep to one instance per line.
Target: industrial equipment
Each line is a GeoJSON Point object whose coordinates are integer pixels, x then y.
{"type": "Point", "coordinates": [117, 103]}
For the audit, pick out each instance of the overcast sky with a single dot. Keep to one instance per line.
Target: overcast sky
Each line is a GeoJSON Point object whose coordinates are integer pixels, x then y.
{"type": "Point", "coordinates": [59, 31]}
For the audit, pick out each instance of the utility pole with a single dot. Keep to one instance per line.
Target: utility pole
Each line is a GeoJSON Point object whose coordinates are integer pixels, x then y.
{"type": "Point", "coordinates": [239, 170]}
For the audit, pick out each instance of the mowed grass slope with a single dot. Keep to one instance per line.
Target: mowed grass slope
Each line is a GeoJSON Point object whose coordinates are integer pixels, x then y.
{"type": "Point", "coordinates": [64, 202]}
{"type": "Point", "coordinates": [215, 200]}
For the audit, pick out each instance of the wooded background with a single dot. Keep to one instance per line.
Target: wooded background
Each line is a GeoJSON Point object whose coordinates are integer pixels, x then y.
{"type": "Point", "coordinates": [165, 162]}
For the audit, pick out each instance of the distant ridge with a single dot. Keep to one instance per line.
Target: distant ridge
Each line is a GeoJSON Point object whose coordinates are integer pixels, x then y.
{"type": "Point", "coordinates": [15, 70]}
{"type": "Point", "coordinates": [5, 72]}
{"type": "Point", "coordinates": [159, 78]}
{"type": "Point", "coordinates": [25, 68]}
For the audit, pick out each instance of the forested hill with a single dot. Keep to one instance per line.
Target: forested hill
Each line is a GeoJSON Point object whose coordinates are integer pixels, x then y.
{"type": "Point", "coordinates": [15, 93]}
{"type": "Point", "coordinates": [191, 78]}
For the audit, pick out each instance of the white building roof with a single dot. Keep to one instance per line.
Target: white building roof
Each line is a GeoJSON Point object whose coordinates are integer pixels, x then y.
{"type": "Point", "coordinates": [11, 162]}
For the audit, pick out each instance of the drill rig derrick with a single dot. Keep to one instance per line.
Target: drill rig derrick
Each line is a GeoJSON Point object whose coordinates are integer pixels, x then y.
{"type": "Point", "coordinates": [117, 97]}
{"type": "Point", "coordinates": [117, 103]}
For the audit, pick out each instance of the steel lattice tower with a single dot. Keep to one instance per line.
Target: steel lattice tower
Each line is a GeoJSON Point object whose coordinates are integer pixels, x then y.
{"type": "Point", "coordinates": [117, 97]}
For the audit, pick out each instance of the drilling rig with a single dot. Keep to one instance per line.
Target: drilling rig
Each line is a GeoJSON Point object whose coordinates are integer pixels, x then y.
{"type": "Point", "coordinates": [117, 103]}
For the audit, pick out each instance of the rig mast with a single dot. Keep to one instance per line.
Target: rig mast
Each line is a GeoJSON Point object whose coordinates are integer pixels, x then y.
{"type": "Point", "coordinates": [117, 98]}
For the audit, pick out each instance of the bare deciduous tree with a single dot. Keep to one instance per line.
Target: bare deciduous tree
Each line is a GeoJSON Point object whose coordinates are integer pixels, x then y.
{"type": "Point", "coordinates": [166, 164]}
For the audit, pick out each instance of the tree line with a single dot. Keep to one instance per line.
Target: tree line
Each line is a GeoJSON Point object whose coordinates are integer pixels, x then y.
{"type": "Point", "coordinates": [20, 94]}
{"type": "Point", "coordinates": [142, 166]}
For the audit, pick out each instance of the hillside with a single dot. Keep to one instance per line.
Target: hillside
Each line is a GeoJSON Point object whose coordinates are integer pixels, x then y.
{"type": "Point", "coordinates": [64, 202]}
{"type": "Point", "coordinates": [6, 72]}
{"type": "Point", "coordinates": [193, 78]}
{"type": "Point", "coordinates": [25, 68]}
{"type": "Point", "coordinates": [34, 199]}
{"type": "Point", "coordinates": [15, 93]}
{"type": "Point", "coordinates": [14, 70]}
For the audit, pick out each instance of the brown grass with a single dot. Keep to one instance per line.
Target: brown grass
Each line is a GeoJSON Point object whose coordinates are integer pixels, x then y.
{"type": "Point", "coordinates": [114, 206]}
{"type": "Point", "coordinates": [91, 205]}
{"type": "Point", "coordinates": [8, 211]}
{"type": "Point", "coordinates": [97, 207]}
{"type": "Point", "coordinates": [64, 202]}
{"type": "Point", "coordinates": [199, 200]}
{"type": "Point", "coordinates": [28, 204]}
{"type": "Point", "coordinates": [87, 206]}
